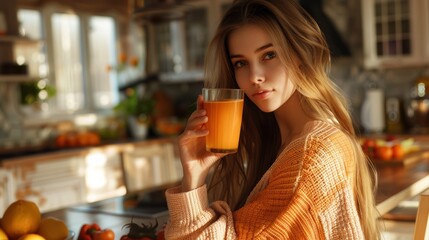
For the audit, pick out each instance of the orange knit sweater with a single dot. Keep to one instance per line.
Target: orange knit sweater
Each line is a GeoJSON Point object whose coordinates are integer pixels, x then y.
{"type": "Point", "coordinates": [306, 194]}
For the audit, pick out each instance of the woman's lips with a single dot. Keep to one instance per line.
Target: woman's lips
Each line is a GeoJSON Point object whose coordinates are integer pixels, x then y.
{"type": "Point", "coordinates": [262, 94]}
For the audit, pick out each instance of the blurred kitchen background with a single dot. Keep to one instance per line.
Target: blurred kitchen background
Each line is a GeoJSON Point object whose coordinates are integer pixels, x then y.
{"type": "Point", "coordinates": [76, 74]}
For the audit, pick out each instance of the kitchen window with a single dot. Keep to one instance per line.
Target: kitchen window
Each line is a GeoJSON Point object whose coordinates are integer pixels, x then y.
{"type": "Point", "coordinates": [78, 48]}
{"type": "Point", "coordinates": [395, 33]}
{"type": "Point", "coordinates": [31, 26]}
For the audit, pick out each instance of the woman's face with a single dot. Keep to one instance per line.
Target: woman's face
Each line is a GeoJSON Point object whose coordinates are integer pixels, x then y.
{"type": "Point", "coordinates": [258, 69]}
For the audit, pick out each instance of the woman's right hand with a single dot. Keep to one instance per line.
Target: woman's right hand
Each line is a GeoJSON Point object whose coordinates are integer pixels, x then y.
{"type": "Point", "coordinates": [196, 160]}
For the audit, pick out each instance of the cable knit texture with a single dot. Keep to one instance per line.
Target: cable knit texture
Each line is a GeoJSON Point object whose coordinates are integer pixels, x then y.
{"type": "Point", "coordinates": [306, 194]}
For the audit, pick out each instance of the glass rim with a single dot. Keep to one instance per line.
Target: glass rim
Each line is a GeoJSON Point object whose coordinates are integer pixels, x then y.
{"type": "Point", "coordinates": [212, 94]}
{"type": "Point", "coordinates": [223, 89]}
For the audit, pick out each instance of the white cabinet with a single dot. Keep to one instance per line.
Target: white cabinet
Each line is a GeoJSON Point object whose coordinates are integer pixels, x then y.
{"type": "Point", "coordinates": [50, 184]}
{"type": "Point", "coordinates": [150, 165]}
{"type": "Point", "coordinates": [395, 33]}
{"type": "Point", "coordinates": [64, 179]}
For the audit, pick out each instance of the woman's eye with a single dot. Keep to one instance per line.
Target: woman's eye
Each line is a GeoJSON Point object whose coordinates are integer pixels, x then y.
{"type": "Point", "coordinates": [270, 55]}
{"type": "Point", "coordinates": [238, 64]}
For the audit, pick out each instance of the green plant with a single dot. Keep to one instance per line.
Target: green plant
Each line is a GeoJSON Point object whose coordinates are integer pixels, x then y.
{"type": "Point", "coordinates": [37, 91]}
{"type": "Point", "coordinates": [134, 105]}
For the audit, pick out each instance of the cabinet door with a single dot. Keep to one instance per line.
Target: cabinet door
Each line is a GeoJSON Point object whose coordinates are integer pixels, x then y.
{"type": "Point", "coordinates": [103, 174]}
{"type": "Point", "coordinates": [61, 181]}
{"type": "Point", "coordinates": [50, 184]}
{"type": "Point", "coordinates": [51, 195]}
{"type": "Point", "coordinates": [151, 166]}
{"type": "Point", "coordinates": [395, 33]}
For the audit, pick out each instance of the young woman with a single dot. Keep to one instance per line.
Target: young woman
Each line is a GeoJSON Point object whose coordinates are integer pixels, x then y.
{"type": "Point", "coordinates": [299, 172]}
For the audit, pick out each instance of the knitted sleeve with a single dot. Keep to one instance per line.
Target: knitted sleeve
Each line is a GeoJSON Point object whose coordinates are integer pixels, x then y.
{"type": "Point", "coordinates": [191, 217]}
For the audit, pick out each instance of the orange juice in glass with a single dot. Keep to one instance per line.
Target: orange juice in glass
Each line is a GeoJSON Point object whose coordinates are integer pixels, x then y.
{"type": "Point", "coordinates": [224, 109]}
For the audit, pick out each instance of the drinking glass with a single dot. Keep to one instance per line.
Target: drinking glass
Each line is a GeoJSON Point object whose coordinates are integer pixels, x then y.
{"type": "Point", "coordinates": [224, 109]}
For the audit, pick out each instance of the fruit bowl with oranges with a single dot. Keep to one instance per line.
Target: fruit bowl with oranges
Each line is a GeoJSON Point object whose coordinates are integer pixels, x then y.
{"type": "Point", "coordinates": [22, 220]}
{"type": "Point", "coordinates": [392, 150]}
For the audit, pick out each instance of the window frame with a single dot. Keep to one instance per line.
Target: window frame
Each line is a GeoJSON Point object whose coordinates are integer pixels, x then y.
{"type": "Point", "coordinates": [46, 12]}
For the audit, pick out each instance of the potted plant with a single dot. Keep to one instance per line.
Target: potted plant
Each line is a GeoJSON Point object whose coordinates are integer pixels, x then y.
{"type": "Point", "coordinates": [138, 111]}
{"type": "Point", "coordinates": [36, 92]}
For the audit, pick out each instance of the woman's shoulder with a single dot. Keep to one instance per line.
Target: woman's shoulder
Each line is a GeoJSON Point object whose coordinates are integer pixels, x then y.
{"type": "Point", "coordinates": [323, 132]}
{"type": "Point", "coordinates": [323, 138]}
{"type": "Point", "coordinates": [323, 141]}
{"type": "Point", "coordinates": [319, 141]}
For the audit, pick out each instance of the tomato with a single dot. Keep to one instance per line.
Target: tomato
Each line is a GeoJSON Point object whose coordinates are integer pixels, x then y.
{"type": "Point", "coordinates": [105, 234]}
{"type": "Point", "coordinates": [391, 138]}
{"type": "Point", "coordinates": [384, 152]}
{"type": "Point", "coordinates": [397, 151]}
{"type": "Point", "coordinates": [368, 147]}
{"type": "Point", "coordinates": [86, 231]}
{"type": "Point", "coordinates": [369, 142]}
{"type": "Point", "coordinates": [160, 235]}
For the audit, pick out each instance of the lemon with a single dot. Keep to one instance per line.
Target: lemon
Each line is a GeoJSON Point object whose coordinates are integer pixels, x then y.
{"type": "Point", "coordinates": [20, 218]}
{"type": "Point", "coordinates": [3, 235]}
{"type": "Point", "coordinates": [53, 229]}
{"type": "Point", "coordinates": [31, 236]}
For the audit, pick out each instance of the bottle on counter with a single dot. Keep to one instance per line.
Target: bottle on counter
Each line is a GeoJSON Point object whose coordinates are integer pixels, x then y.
{"type": "Point", "coordinates": [418, 106]}
{"type": "Point", "coordinates": [372, 111]}
{"type": "Point", "coordinates": [394, 115]}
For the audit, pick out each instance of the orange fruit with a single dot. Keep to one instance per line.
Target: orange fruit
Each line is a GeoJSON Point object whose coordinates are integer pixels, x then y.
{"type": "Point", "coordinates": [93, 138]}
{"type": "Point", "coordinates": [3, 235]}
{"type": "Point", "coordinates": [61, 141]}
{"type": "Point", "coordinates": [53, 229]}
{"type": "Point", "coordinates": [31, 236]}
{"type": "Point", "coordinates": [398, 151]}
{"type": "Point", "coordinates": [20, 218]}
{"type": "Point", "coordinates": [384, 152]}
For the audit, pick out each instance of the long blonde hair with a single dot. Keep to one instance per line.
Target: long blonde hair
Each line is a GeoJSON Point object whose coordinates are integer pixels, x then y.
{"type": "Point", "coordinates": [305, 54]}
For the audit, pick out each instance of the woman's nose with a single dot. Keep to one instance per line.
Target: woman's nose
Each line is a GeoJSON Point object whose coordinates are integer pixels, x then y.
{"type": "Point", "coordinates": [256, 75]}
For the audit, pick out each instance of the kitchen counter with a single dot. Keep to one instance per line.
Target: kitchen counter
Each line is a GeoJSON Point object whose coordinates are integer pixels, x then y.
{"type": "Point", "coordinates": [398, 183]}
{"type": "Point", "coordinates": [147, 207]}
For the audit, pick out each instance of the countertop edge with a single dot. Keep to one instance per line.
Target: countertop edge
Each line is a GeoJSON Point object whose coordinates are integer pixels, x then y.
{"type": "Point", "coordinates": [411, 191]}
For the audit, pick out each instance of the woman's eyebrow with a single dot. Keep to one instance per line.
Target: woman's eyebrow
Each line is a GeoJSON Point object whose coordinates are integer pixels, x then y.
{"type": "Point", "coordinates": [268, 45]}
